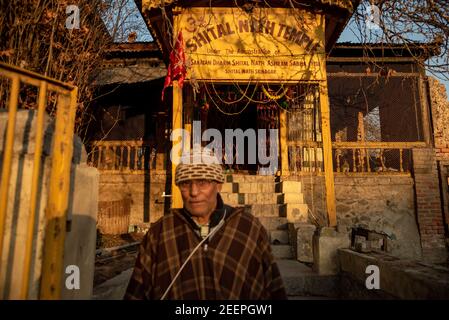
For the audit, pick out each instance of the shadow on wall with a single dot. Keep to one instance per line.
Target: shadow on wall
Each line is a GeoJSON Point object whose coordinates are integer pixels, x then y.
{"type": "Point", "coordinates": [81, 219]}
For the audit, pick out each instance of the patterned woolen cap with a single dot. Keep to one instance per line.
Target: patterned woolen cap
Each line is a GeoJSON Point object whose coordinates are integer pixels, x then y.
{"type": "Point", "coordinates": [199, 165]}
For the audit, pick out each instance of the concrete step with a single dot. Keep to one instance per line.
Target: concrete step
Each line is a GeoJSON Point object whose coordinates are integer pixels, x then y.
{"type": "Point", "coordinates": [250, 178]}
{"type": "Point", "coordinates": [268, 210]}
{"type": "Point", "coordinates": [291, 197]}
{"type": "Point", "coordinates": [262, 198]}
{"type": "Point", "coordinates": [301, 281]}
{"type": "Point", "coordinates": [295, 212]}
{"type": "Point", "coordinates": [289, 187]}
{"type": "Point", "coordinates": [282, 251]}
{"type": "Point", "coordinates": [274, 223]}
{"type": "Point", "coordinates": [230, 187]}
{"type": "Point", "coordinates": [250, 187]}
{"type": "Point", "coordinates": [233, 199]}
{"type": "Point", "coordinates": [279, 237]}
{"type": "Point", "coordinates": [257, 187]}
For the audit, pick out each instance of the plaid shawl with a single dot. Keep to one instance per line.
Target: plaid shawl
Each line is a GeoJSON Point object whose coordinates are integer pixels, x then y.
{"type": "Point", "coordinates": [237, 262]}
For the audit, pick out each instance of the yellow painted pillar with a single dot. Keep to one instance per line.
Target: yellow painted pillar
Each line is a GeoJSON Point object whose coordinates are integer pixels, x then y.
{"type": "Point", "coordinates": [188, 116]}
{"type": "Point", "coordinates": [327, 152]}
{"type": "Point", "coordinates": [176, 119]}
{"type": "Point", "coordinates": [176, 124]}
{"type": "Point", "coordinates": [283, 141]}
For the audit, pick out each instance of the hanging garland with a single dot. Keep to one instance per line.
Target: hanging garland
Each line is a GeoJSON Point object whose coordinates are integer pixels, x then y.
{"type": "Point", "coordinates": [222, 111]}
{"type": "Point", "coordinates": [274, 97]}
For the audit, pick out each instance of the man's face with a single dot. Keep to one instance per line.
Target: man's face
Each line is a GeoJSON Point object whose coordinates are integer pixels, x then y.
{"type": "Point", "coordinates": [200, 196]}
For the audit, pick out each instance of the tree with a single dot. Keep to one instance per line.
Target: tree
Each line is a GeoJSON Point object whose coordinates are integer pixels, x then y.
{"type": "Point", "coordinates": [40, 36]}
{"type": "Point", "coordinates": [407, 22]}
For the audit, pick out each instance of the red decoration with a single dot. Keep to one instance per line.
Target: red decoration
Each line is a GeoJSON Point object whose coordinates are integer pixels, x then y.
{"type": "Point", "coordinates": [177, 66]}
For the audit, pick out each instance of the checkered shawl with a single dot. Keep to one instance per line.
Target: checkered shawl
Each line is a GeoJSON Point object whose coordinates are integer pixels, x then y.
{"type": "Point", "coordinates": [238, 263]}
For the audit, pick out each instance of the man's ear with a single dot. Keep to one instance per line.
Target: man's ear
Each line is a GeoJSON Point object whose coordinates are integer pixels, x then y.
{"type": "Point", "coordinates": [219, 185]}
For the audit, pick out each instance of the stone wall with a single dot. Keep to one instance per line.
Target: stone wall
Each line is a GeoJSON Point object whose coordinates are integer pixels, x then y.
{"type": "Point", "coordinates": [383, 203]}
{"type": "Point", "coordinates": [144, 190]}
{"type": "Point", "coordinates": [81, 215]}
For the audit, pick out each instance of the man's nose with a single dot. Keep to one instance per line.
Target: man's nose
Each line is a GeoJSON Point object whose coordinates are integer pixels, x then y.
{"type": "Point", "coordinates": [193, 189]}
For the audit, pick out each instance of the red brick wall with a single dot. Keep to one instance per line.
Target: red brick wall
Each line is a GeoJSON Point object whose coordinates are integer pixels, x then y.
{"type": "Point", "coordinates": [428, 205]}
{"type": "Point", "coordinates": [439, 104]}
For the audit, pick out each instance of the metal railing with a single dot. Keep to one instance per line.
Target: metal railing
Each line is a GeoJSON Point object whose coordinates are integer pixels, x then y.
{"type": "Point", "coordinates": [59, 183]}
{"type": "Point", "coordinates": [305, 156]}
{"type": "Point", "coordinates": [123, 156]}
{"type": "Point", "coordinates": [353, 157]}
{"type": "Point", "coordinates": [374, 157]}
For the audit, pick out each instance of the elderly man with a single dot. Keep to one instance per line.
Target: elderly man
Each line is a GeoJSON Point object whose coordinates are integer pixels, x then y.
{"type": "Point", "coordinates": [207, 249]}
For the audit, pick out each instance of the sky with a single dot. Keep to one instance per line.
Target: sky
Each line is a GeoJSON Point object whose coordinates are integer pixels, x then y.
{"type": "Point", "coordinates": [132, 21]}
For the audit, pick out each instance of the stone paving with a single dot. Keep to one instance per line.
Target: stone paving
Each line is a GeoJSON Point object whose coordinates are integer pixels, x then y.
{"type": "Point", "coordinates": [300, 281]}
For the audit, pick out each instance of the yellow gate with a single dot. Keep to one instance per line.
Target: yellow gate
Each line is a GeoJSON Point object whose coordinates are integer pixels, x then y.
{"type": "Point", "coordinates": [59, 183]}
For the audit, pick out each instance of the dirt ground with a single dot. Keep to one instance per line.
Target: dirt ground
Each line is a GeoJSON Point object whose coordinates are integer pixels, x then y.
{"type": "Point", "coordinates": [109, 264]}
{"type": "Point", "coordinates": [112, 240]}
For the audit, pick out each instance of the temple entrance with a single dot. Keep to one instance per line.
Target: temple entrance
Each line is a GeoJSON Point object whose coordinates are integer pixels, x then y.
{"type": "Point", "coordinates": [243, 110]}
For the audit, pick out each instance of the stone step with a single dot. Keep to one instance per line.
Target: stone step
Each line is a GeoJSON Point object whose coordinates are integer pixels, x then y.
{"type": "Point", "coordinates": [295, 212]}
{"type": "Point", "coordinates": [279, 237]}
{"type": "Point", "coordinates": [250, 178]}
{"type": "Point", "coordinates": [262, 198]}
{"type": "Point", "coordinates": [301, 280]}
{"type": "Point", "coordinates": [256, 187]}
{"type": "Point", "coordinates": [251, 187]}
{"type": "Point", "coordinates": [274, 223]}
{"type": "Point", "coordinates": [233, 199]}
{"type": "Point", "coordinates": [229, 187]}
{"type": "Point", "coordinates": [298, 212]}
{"type": "Point", "coordinates": [282, 251]}
{"type": "Point", "coordinates": [289, 187]}
{"type": "Point", "coordinates": [268, 210]}
{"type": "Point", "coordinates": [291, 197]}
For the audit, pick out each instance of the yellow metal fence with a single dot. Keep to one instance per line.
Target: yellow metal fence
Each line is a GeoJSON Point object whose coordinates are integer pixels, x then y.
{"type": "Point", "coordinates": [59, 183]}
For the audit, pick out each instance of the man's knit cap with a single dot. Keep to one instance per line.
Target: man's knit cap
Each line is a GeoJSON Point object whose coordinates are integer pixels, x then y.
{"type": "Point", "coordinates": [199, 163]}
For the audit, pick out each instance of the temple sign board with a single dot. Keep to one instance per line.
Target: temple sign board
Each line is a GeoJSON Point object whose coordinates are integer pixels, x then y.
{"type": "Point", "coordinates": [269, 44]}
{"type": "Point", "coordinates": [265, 45]}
